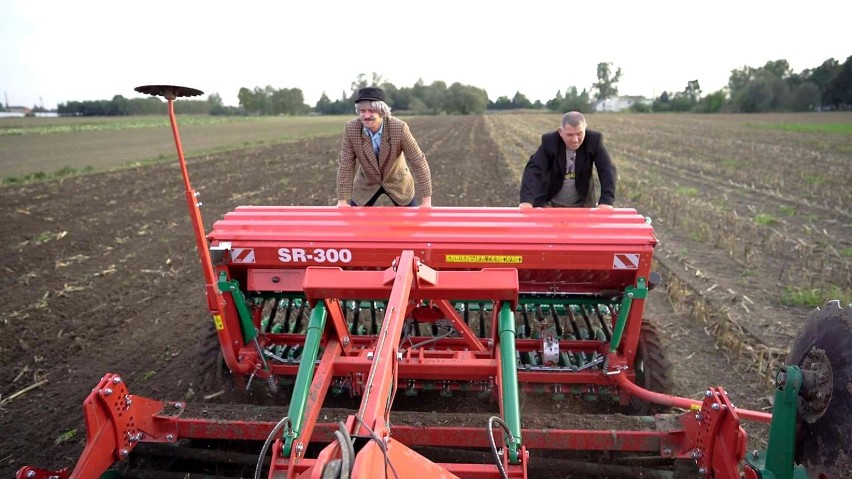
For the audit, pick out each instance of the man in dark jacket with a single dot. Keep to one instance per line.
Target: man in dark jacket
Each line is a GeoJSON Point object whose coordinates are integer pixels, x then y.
{"type": "Point", "coordinates": [559, 173]}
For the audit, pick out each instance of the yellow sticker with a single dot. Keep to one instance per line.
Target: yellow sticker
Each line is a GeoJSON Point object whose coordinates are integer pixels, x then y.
{"type": "Point", "coordinates": [218, 321]}
{"type": "Point", "coordinates": [482, 258]}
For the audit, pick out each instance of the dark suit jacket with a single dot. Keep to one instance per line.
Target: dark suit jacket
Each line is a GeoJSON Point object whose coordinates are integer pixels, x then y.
{"type": "Point", "coordinates": [545, 170]}
{"type": "Point", "coordinates": [360, 174]}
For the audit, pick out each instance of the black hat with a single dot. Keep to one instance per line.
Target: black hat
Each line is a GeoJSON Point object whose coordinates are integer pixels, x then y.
{"type": "Point", "coordinates": [370, 93]}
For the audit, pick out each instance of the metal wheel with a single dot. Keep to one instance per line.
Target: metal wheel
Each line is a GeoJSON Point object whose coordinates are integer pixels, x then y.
{"type": "Point", "coordinates": [824, 348]}
{"type": "Point", "coordinates": [212, 368]}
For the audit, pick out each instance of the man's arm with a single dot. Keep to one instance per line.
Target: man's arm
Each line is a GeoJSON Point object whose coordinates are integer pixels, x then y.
{"type": "Point", "coordinates": [345, 171]}
{"type": "Point", "coordinates": [419, 166]}
{"type": "Point", "coordinates": [606, 175]}
{"type": "Point", "coordinates": [535, 178]}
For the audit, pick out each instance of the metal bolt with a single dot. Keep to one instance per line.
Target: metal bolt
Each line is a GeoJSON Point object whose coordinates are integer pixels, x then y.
{"type": "Point", "coordinates": [178, 405]}
{"type": "Point", "coordinates": [370, 355]}
{"type": "Point", "coordinates": [702, 470]}
{"type": "Point", "coordinates": [696, 454]}
{"type": "Point", "coordinates": [708, 393]}
{"type": "Point", "coordinates": [755, 454]}
{"type": "Point", "coordinates": [107, 391]}
{"type": "Point", "coordinates": [346, 341]}
{"type": "Point", "coordinates": [170, 437]}
{"type": "Point", "coordinates": [667, 451]}
{"type": "Point", "coordinates": [124, 453]}
{"type": "Point", "coordinates": [698, 417]}
{"type": "Point", "coordinates": [714, 406]}
{"type": "Point", "coordinates": [399, 355]}
{"type": "Point", "coordinates": [116, 380]}
{"type": "Point", "coordinates": [31, 474]}
{"type": "Point", "coordinates": [299, 448]}
{"type": "Point", "coordinates": [127, 399]}
{"type": "Point", "coordinates": [781, 379]}
{"type": "Point", "coordinates": [629, 295]}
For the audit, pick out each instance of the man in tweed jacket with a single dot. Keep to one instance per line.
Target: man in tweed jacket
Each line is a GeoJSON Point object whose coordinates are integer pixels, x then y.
{"type": "Point", "coordinates": [373, 157]}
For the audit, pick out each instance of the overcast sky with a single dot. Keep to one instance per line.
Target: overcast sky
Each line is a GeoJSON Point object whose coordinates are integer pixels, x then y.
{"type": "Point", "coordinates": [57, 51]}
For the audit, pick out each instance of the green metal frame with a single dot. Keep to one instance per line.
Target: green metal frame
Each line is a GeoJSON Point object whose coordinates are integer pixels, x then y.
{"type": "Point", "coordinates": [305, 375]}
{"type": "Point", "coordinates": [511, 403]}
{"type": "Point", "coordinates": [777, 461]}
{"type": "Point", "coordinates": [630, 293]}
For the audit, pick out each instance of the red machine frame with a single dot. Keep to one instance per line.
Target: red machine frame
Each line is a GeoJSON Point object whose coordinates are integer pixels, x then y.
{"type": "Point", "coordinates": [548, 253]}
{"type": "Point", "coordinates": [419, 262]}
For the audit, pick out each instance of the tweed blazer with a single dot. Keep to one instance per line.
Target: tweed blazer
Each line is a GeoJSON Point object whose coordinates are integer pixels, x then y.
{"type": "Point", "coordinates": [544, 173]}
{"type": "Point", "coordinates": [360, 174]}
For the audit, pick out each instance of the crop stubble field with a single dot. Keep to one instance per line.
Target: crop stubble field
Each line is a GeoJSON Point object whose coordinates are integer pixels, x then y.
{"type": "Point", "coordinates": [101, 273]}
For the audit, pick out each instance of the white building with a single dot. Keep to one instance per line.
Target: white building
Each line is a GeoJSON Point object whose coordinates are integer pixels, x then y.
{"type": "Point", "coordinates": [619, 103]}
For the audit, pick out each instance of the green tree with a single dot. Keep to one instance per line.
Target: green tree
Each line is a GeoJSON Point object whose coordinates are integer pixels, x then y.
{"type": "Point", "coordinates": [822, 75]}
{"type": "Point", "coordinates": [739, 78]}
{"type": "Point", "coordinates": [323, 104]}
{"type": "Point", "coordinates": [761, 89]}
{"type": "Point", "coordinates": [502, 103]}
{"type": "Point", "coordinates": [435, 96]}
{"type": "Point", "coordinates": [247, 102]}
{"type": "Point", "coordinates": [465, 99]}
{"type": "Point", "coordinates": [662, 103]}
{"type": "Point", "coordinates": [805, 97]}
{"type": "Point", "coordinates": [119, 106]}
{"type": "Point", "coordinates": [217, 106]}
{"type": "Point", "coordinates": [606, 87]}
{"type": "Point", "coordinates": [555, 103]}
{"type": "Point", "coordinates": [757, 96]}
{"type": "Point", "coordinates": [838, 92]}
{"type": "Point", "coordinates": [693, 91]}
{"type": "Point", "coordinates": [779, 69]}
{"type": "Point", "coordinates": [711, 103]}
{"type": "Point", "coordinates": [575, 101]}
{"type": "Point", "coordinates": [520, 101]}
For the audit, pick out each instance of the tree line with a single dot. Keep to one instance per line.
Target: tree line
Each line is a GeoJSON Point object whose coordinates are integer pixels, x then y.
{"type": "Point", "coordinates": [772, 87]}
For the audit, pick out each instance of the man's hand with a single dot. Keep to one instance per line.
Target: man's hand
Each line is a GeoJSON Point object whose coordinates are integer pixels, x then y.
{"type": "Point", "coordinates": [525, 205]}
{"type": "Point", "coordinates": [342, 204]}
{"type": "Point", "coordinates": [426, 202]}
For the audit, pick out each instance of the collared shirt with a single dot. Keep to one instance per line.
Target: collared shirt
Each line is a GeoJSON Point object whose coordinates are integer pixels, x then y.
{"type": "Point", "coordinates": [376, 138]}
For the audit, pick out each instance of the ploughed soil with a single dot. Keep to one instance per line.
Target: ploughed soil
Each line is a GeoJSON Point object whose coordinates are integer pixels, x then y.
{"type": "Point", "coordinates": [101, 274]}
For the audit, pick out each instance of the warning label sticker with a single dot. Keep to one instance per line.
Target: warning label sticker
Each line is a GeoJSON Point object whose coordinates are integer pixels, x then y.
{"type": "Point", "coordinates": [625, 261]}
{"type": "Point", "coordinates": [242, 255]}
{"type": "Point", "coordinates": [483, 258]}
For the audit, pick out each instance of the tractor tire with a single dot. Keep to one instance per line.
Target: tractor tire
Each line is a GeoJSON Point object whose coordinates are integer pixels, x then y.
{"type": "Point", "coordinates": [825, 424]}
{"type": "Point", "coordinates": [212, 370]}
{"type": "Point", "coordinates": [653, 369]}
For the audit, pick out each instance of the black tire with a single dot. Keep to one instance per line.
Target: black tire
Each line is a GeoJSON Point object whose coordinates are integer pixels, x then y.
{"type": "Point", "coordinates": [825, 433]}
{"type": "Point", "coordinates": [653, 369]}
{"type": "Point", "coordinates": [213, 372]}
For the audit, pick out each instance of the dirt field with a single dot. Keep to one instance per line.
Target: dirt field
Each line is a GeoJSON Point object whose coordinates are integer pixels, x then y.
{"type": "Point", "coordinates": [101, 272]}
